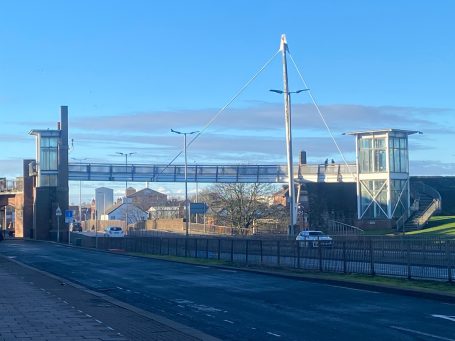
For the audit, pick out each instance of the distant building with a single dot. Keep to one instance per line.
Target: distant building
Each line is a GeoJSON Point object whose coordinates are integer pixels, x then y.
{"type": "Point", "coordinates": [130, 191]}
{"type": "Point", "coordinates": [146, 198]}
{"type": "Point", "coordinates": [104, 199]}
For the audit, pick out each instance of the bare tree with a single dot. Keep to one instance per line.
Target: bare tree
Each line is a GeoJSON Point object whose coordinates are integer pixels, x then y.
{"type": "Point", "coordinates": [238, 204]}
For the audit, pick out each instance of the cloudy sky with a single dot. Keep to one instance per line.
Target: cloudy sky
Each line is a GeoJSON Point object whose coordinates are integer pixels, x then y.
{"type": "Point", "coordinates": [132, 70]}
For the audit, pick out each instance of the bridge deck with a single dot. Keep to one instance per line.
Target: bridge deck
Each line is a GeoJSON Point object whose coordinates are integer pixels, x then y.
{"type": "Point", "coordinates": [210, 173]}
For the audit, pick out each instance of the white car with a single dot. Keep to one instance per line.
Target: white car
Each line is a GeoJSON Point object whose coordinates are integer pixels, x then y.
{"type": "Point", "coordinates": [113, 231]}
{"type": "Point", "coordinates": [314, 239]}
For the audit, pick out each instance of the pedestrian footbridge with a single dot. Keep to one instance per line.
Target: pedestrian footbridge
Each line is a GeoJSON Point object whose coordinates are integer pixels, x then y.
{"type": "Point", "coordinates": [211, 173]}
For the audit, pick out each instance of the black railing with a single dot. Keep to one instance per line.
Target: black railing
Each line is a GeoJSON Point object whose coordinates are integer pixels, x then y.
{"type": "Point", "coordinates": [429, 258]}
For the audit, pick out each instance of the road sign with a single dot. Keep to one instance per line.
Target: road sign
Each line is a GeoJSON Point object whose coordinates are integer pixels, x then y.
{"type": "Point", "coordinates": [198, 208]}
{"type": "Point", "coordinates": [68, 216]}
{"type": "Point", "coordinates": [58, 211]}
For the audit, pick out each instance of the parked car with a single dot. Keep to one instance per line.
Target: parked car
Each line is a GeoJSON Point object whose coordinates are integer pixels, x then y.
{"type": "Point", "coordinates": [314, 239]}
{"type": "Point", "coordinates": [76, 226]}
{"type": "Point", "coordinates": [113, 231]}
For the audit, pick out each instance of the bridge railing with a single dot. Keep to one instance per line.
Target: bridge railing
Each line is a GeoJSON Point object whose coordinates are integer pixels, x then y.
{"type": "Point", "coordinates": [206, 173]}
{"type": "Point", "coordinates": [176, 173]}
{"type": "Point", "coordinates": [7, 185]}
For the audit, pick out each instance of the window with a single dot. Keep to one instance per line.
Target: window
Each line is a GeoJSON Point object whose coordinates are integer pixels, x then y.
{"type": "Point", "coordinates": [372, 155]}
{"type": "Point", "coordinates": [398, 153]}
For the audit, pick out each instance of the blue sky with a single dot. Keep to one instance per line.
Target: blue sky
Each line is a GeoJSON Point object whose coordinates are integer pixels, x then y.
{"type": "Point", "coordinates": [132, 70]}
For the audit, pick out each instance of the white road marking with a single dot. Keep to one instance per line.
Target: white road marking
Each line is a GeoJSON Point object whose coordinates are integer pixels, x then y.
{"type": "Point", "coordinates": [445, 317]}
{"type": "Point", "coordinates": [11, 257]}
{"type": "Point", "coordinates": [98, 321]}
{"type": "Point", "coordinates": [110, 328]}
{"type": "Point", "coordinates": [65, 302]}
{"type": "Point", "coordinates": [422, 333]}
{"type": "Point", "coordinates": [253, 328]}
{"type": "Point", "coordinates": [226, 270]}
{"type": "Point", "coordinates": [119, 288]}
{"type": "Point", "coordinates": [180, 306]}
{"type": "Point", "coordinates": [88, 315]}
{"type": "Point", "coordinates": [208, 315]}
{"type": "Point", "coordinates": [228, 321]}
{"type": "Point", "coordinates": [80, 311]}
{"type": "Point", "coordinates": [277, 335]}
{"type": "Point", "coordinates": [355, 289]}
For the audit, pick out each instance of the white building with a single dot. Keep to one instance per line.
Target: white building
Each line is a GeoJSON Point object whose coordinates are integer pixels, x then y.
{"type": "Point", "coordinates": [125, 211]}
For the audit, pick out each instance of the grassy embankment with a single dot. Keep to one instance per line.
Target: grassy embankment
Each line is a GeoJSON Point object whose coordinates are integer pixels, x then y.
{"type": "Point", "coordinates": [438, 225]}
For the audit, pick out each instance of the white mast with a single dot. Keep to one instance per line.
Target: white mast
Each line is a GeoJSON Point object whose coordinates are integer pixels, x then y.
{"type": "Point", "coordinates": [287, 118]}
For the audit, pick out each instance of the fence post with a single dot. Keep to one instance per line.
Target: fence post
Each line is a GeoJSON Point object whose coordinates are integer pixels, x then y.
{"type": "Point", "coordinates": [449, 264]}
{"type": "Point", "coordinates": [195, 248]}
{"type": "Point", "coordinates": [260, 246]}
{"type": "Point", "coordinates": [298, 253]}
{"type": "Point", "coordinates": [232, 250]}
{"type": "Point", "coordinates": [320, 255]}
{"type": "Point", "coordinates": [246, 251]}
{"type": "Point", "coordinates": [219, 249]}
{"type": "Point", "coordinates": [372, 272]}
{"type": "Point", "coordinates": [345, 270]}
{"type": "Point", "coordinates": [408, 256]}
{"type": "Point", "coordinates": [278, 252]}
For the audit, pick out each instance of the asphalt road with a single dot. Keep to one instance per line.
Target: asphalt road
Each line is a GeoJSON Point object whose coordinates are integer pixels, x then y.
{"type": "Point", "coordinates": [235, 305]}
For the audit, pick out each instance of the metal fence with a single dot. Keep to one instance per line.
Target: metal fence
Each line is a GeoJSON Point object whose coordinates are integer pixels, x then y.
{"type": "Point", "coordinates": [430, 258]}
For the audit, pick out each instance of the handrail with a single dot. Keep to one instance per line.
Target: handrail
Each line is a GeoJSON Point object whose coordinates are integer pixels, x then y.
{"type": "Point", "coordinates": [428, 213]}
{"type": "Point", "coordinates": [338, 226]}
{"type": "Point", "coordinates": [421, 187]}
{"type": "Point", "coordinates": [7, 185]}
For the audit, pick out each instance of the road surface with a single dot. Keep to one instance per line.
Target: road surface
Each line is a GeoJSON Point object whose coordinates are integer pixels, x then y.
{"type": "Point", "coordinates": [235, 305]}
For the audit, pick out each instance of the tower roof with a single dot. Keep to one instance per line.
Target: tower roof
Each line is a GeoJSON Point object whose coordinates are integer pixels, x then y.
{"type": "Point", "coordinates": [386, 130]}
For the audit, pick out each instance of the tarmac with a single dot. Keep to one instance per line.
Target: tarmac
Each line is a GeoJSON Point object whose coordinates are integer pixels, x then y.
{"type": "Point", "coordinates": [35, 305]}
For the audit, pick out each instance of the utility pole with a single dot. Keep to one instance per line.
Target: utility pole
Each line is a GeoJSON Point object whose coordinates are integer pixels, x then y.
{"type": "Point", "coordinates": [186, 177]}
{"type": "Point", "coordinates": [80, 188]}
{"type": "Point", "coordinates": [126, 186]}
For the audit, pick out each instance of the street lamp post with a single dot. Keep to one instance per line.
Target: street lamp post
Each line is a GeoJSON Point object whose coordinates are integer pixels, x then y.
{"type": "Point", "coordinates": [126, 184]}
{"type": "Point", "coordinates": [186, 176]}
{"type": "Point", "coordinates": [287, 117]}
{"type": "Point", "coordinates": [80, 188]}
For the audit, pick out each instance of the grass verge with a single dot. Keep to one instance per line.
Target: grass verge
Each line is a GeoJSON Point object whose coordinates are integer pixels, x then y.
{"type": "Point", "coordinates": [423, 286]}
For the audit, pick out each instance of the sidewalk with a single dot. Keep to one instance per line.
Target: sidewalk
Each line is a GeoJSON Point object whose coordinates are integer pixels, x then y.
{"type": "Point", "coordinates": [36, 306]}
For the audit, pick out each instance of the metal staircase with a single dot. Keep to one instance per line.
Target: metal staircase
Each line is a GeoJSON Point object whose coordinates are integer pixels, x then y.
{"type": "Point", "coordinates": [427, 201]}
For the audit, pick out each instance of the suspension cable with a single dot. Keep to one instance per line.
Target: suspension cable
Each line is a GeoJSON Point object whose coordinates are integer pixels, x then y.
{"type": "Point", "coordinates": [239, 92]}
{"type": "Point", "coordinates": [322, 116]}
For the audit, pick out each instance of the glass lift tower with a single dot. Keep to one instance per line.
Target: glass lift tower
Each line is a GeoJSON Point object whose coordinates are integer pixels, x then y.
{"type": "Point", "coordinates": [383, 197]}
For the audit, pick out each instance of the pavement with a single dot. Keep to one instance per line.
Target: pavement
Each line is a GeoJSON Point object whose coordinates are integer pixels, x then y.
{"type": "Point", "coordinates": [35, 305]}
